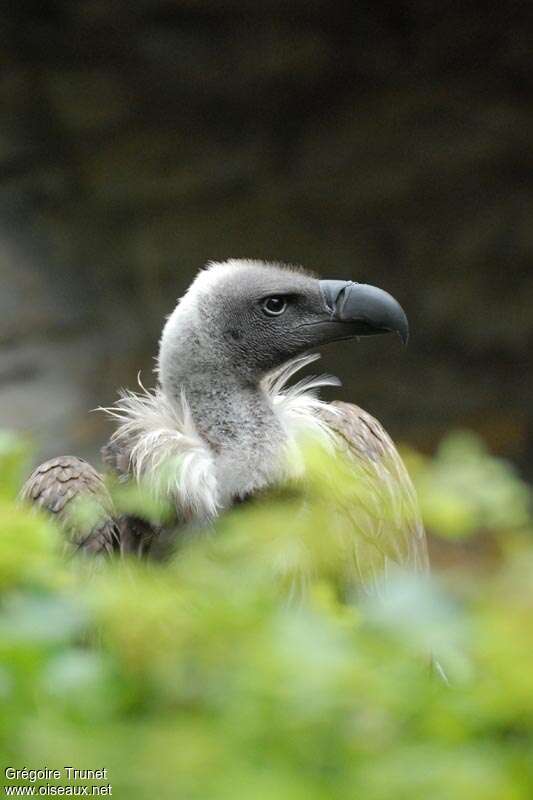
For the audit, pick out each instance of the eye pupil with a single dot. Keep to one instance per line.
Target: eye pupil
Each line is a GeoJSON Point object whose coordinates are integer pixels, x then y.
{"type": "Point", "coordinates": [274, 306]}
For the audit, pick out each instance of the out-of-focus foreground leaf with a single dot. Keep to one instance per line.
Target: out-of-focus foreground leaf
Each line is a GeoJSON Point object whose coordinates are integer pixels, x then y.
{"type": "Point", "coordinates": [241, 668]}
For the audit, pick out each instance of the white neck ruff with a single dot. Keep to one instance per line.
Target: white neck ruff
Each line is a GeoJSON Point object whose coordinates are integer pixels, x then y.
{"type": "Point", "coordinates": [167, 453]}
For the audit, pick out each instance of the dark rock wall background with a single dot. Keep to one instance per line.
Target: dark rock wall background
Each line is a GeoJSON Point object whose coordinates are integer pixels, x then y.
{"type": "Point", "coordinates": [388, 142]}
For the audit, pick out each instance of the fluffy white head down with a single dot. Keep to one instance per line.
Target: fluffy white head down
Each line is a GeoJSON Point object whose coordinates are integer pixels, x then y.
{"type": "Point", "coordinates": [175, 462]}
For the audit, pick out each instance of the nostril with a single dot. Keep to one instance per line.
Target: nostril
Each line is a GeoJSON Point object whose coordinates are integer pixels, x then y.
{"type": "Point", "coordinates": [331, 290]}
{"type": "Point", "coordinates": [342, 297]}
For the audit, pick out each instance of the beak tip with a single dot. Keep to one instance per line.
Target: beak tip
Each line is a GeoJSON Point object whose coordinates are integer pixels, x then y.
{"type": "Point", "coordinates": [403, 330]}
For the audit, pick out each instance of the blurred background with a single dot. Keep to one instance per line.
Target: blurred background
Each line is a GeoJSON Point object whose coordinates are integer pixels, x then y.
{"type": "Point", "coordinates": [389, 143]}
{"type": "Point", "coordinates": [384, 142]}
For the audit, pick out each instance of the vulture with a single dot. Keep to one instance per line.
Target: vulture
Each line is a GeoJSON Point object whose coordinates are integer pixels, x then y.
{"type": "Point", "coordinates": [223, 420]}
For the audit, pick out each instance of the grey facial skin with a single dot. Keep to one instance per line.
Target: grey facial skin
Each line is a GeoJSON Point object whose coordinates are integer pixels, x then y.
{"type": "Point", "coordinates": [316, 312]}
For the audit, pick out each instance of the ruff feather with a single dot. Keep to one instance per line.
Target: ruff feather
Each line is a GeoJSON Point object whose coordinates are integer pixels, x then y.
{"type": "Point", "coordinates": [165, 450]}
{"type": "Point", "coordinates": [298, 407]}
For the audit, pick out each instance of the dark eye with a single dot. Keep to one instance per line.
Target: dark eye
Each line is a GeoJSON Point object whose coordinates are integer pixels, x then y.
{"type": "Point", "coordinates": [274, 306]}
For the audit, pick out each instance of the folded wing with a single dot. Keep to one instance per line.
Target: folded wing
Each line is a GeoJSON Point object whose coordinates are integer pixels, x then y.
{"type": "Point", "coordinates": [388, 529]}
{"type": "Point", "coordinates": [73, 492]}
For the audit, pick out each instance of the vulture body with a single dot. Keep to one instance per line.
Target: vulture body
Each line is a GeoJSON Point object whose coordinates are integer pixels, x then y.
{"type": "Point", "coordinates": [223, 424]}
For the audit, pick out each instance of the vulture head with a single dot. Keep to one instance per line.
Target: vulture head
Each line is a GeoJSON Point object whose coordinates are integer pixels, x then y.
{"type": "Point", "coordinates": [247, 317]}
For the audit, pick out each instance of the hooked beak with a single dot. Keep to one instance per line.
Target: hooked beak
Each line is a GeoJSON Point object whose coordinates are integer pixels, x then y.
{"type": "Point", "coordinates": [358, 309]}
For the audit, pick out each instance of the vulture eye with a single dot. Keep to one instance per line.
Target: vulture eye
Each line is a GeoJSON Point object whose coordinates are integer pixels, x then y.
{"type": "Point", "coordinates": [274, 306]}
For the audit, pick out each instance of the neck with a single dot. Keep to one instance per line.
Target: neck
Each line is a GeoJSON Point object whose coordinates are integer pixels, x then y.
{"type": "Point", "coordinates": [238, 422]}
{"type": "Point", "coordinates": [226, 409]}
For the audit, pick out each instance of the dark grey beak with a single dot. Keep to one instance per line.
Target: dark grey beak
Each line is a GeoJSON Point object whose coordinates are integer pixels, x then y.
{"type": "Point", "coordinates": [364, 310]}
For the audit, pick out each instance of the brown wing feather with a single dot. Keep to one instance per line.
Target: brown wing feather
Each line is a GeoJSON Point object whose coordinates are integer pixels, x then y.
{"type": "Point", "coordinates": [384, 506]}
{"type": "Point", "coordinates": [116, 458]}
{"type": "Point", "coordinates": [59, 485]}
{"type": "Point", "coordinates": [137, 536]}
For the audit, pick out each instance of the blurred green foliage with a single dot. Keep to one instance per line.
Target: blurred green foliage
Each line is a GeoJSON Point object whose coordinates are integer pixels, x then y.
{"type": "Point", "coordinates": [203, 678]}
{"type": "Point", "coordinates": [465, 489]}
